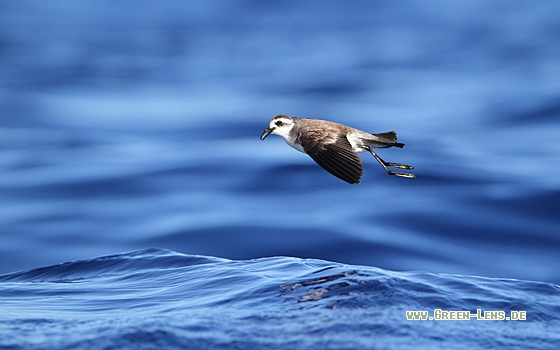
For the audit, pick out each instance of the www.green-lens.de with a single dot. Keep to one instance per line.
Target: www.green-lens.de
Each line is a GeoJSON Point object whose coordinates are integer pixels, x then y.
{"type": "Point", "coordinates": [463, 315]}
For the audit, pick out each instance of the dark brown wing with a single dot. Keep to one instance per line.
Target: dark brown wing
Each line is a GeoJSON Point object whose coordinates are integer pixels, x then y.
{"type": "Point", "coordinates": [337, 158]}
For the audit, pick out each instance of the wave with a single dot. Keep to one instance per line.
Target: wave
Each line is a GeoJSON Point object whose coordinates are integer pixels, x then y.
{"type": "Point", "coordinates": [157, 297]}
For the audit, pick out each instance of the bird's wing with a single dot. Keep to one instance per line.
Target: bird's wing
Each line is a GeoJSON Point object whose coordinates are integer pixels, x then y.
{"type": "Point", "coordinates": [337, 157]}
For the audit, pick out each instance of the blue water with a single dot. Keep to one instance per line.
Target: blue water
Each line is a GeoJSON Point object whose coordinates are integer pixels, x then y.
{"type": "Point", "coordinates": [162, 299]}
{"type": "Point", "coordinates": [134, 127]}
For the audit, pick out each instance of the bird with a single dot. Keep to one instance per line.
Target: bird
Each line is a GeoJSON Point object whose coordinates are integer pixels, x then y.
{"type": "Point", "coordinates": [335, 146]}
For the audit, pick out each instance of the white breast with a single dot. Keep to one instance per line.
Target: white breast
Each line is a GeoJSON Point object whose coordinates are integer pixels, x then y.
{"type": "Point", "coordinates": [294, 145]}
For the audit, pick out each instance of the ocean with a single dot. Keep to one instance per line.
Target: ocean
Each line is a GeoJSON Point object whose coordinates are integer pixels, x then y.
{"type": "Point", "coordinates": [140, 210]}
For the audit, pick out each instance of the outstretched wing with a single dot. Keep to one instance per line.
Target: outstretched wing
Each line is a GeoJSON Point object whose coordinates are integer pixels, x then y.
{"type": "Point", "coordinates": [336, 157]}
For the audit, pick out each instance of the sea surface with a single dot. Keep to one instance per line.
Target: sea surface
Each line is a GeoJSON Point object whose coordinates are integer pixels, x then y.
{"type": "Point", "coordinates": [158, 299]}
{"type": "Point", "coordinates": [140, 210]}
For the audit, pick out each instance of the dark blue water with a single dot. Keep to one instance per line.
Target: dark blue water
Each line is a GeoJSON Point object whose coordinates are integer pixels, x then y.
{"type": "Point", "coordinates": [162, 299]}
{"type": "Point", "coordinates": [134, 125]}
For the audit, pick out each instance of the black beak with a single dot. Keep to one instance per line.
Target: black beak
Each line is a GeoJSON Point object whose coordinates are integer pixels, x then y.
{"type": "Point", "coordinates": [266, 132]}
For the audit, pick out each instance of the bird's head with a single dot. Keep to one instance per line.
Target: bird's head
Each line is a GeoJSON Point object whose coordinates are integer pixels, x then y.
{"type": "Point", "coordinates": [279, 125]}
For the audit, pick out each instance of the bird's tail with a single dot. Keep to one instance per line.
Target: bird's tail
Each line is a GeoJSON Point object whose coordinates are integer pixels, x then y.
{"type": "Point", "coordinates": [387, 139]}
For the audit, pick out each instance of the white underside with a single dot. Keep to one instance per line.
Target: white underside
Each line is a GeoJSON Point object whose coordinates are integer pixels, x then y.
{"type": "Point", "coordinates": [354, 140]}
{"type": "Point", "coordinates": [294, 145]}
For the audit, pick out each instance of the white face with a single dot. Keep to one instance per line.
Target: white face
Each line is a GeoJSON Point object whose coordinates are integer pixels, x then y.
{"type": "Point", "coordinates": [281, 126]}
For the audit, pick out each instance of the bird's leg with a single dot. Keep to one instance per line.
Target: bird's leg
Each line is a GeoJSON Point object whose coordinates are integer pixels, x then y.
{"type": "Point", "coordinates": [399, 165]}
{"type": "Point", "coordinates": [384, 164]}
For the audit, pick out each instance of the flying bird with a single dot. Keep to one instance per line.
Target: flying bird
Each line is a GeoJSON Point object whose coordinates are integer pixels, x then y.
{"type": "Point", "coordinates": [335, 146]}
